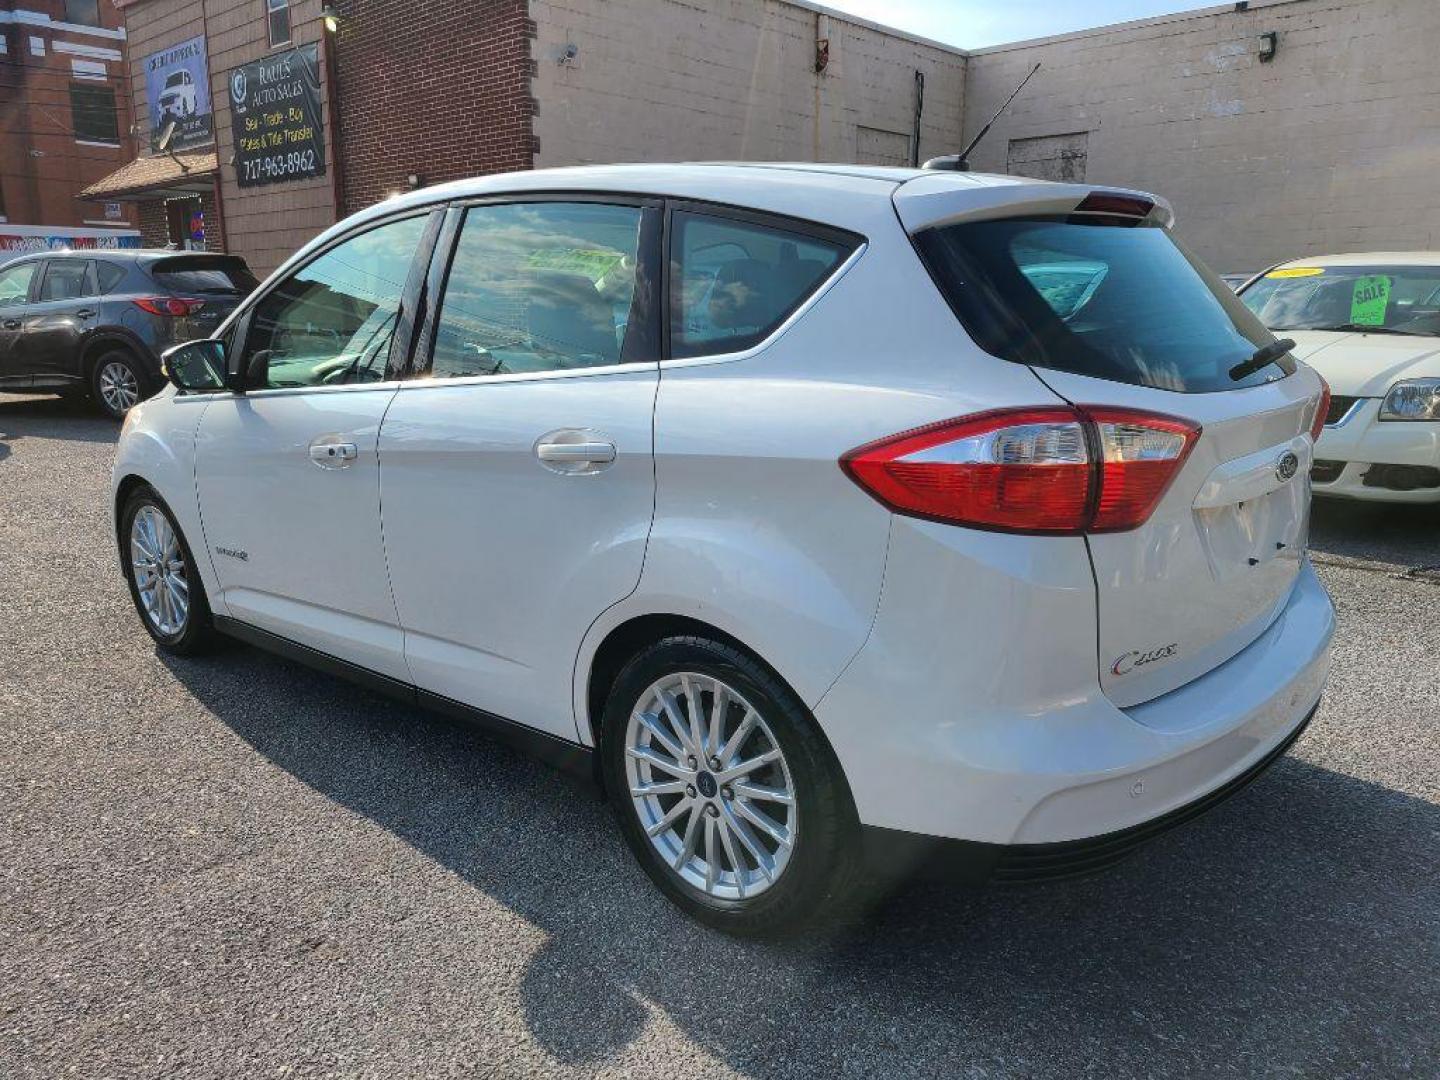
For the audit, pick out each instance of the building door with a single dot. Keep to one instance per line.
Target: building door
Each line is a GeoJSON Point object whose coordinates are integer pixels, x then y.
{"type": "Point", "coordinates": [185, 224]}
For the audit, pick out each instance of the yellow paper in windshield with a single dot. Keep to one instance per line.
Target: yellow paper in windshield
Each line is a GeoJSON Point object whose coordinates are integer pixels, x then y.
{"type": "Point", "coordinates": [1369, 300]}
{"type": "Point", "coordinates": [1297, 271]}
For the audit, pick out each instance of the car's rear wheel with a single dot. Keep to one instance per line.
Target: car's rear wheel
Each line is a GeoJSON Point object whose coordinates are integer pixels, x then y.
{"type": "Point", "coordinates": [727, 792]}
{"type": "Point", "coordinates": [118, 383]}
{"type": "Point", "coordinates": [164, 585]}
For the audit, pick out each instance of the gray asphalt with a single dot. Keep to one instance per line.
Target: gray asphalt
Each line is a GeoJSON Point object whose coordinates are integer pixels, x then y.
{"type": "Point", "coordinates": [235, 867]}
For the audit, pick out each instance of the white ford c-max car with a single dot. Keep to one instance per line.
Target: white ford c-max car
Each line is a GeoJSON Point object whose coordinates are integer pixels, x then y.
{"type": "Point", "coordinates": [831, 516]}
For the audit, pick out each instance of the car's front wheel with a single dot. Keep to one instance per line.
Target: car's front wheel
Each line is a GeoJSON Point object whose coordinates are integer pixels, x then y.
{"type": "Point", "coordinates": [726, 790]}
{"type": "Point", "coordinates": [164, 585]}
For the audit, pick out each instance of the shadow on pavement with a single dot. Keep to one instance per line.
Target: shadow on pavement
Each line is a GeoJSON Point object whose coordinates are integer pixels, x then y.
{"type": "Point", "coordinates": [1408, 535]}
{"type": "Point", "coordinates": [1301, 916]}
{"type": "Point", "coordinates": [72, 419]}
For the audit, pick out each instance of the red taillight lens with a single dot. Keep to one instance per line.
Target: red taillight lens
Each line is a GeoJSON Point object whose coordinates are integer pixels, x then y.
{"type": "Point", "coordinates": [169, 305]}
{"type": "Point", "coordinates": [1322, 410]}
{"type": "Point", "coordinates": [1028, 470]}
{"type": "Point", "coordinates": [1140, 454]}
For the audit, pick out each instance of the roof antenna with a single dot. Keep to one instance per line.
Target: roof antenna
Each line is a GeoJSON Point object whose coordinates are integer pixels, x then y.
{"type": "Point", "coordinates": [961, 162]}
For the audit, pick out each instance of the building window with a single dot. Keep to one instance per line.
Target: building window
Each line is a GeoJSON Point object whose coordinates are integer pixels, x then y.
{"type": "Point", "coordinates": [277, 14]}
{"type": "Point", "coordinates": [93, 108]}
{"type": "Point", "coordinates": [82, 12]}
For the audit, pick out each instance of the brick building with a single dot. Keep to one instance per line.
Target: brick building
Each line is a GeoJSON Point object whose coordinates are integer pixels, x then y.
{"type": "Point", "coordinates": [1278, 128]}
{"type": "Point", "coordinates": [64, 123]}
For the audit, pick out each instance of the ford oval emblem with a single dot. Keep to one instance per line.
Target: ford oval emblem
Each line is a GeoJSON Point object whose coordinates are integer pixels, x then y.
{"type": "Point", "coordinates": [1287, 466]}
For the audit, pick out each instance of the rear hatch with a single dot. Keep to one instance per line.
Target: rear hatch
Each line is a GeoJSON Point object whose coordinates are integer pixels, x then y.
{"type": "Point", "coordinates": [1093, 293]}
{"type": "Point", "coordinates": [213, 285]}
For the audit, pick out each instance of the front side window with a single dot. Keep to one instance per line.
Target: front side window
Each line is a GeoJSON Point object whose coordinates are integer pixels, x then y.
{"type": "Point", "coordinates": [1124, 303]}
{"type": "Point", "coordinates": [1377, 299]}
{"type": "Point", "coordinates": [15, 284]}
{"type": "Point", "coordinates": [93, 111]}
{"type": "Point", "coordinates": [277, 14]}
{"type": "Point", "coordinates": [538, 287]}
{"type": "Point", "coordinates": [64, 280]}
{"type": "Point", "coordinates": [733, 283]}
{"type": "Point", "coordinates": [333, 320]}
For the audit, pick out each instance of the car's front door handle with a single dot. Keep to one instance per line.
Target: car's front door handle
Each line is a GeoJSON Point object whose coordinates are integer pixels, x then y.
{"type": "Point", "coordinates": [575, 451]}
{"type": "Point", "coordinates": [85, 313]}
{"type": "Point", "coordinates": [333, 455]}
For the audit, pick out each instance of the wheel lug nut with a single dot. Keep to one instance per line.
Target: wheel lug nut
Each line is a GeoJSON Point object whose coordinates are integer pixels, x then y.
{"type": "Point", "coordinates": [689, 791]}
{"type": "Point", "coordinates": [727, 792]}
{"type": "Point", "coordinates": [712, 810]}
{"type": "Point", "coordinates": [692, 762]}
{"type": "Point", "coordinates": [715, 764]}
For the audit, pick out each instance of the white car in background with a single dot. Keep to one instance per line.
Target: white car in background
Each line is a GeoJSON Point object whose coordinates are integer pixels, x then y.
{"type": "Point", "coordinates": [826, 515]}
{"type": "Point", "coordinates": [1370, 324]}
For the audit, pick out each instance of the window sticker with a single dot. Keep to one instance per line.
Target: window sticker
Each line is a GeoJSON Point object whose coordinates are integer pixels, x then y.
{"type": "Point", "coordinates": [592, 263]}
{"type": "Point", "coordinates": [1370, 300]}
{"type": "Point", "coordinates": [1297, 271]}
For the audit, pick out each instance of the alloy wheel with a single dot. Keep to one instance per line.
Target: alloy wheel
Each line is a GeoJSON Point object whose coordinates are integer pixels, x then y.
{"type": "Point", "coordinates": [118, 386]}
{"type": "Point", "coordinates": [710, 785]}
{"type": "Point", "coordinates": [161, 577]}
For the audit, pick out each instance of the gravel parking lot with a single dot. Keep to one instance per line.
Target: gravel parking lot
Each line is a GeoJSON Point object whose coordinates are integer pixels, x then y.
{"type": "Point", "coordinates": [238, 867]}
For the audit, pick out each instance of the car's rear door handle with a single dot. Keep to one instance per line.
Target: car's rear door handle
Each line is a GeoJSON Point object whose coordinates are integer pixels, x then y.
{"type": "Point", "coordinates": [11, 324]}
{"type": "Point", "coordinates": [333, 455]}
{"type": "Point", "coordinates": [575, 451]}
{"type": "Point", "coordinates": [85, 313]}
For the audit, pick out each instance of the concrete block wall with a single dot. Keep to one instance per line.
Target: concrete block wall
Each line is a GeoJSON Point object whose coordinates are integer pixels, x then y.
{"type": "Point", "coordinates": [1332, 146]}
{"type": "Point", "coordinates": [670, 80]}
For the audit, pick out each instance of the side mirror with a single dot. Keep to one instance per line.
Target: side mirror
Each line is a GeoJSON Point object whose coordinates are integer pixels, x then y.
{"type": "Point", "coordinates": [197, 366]}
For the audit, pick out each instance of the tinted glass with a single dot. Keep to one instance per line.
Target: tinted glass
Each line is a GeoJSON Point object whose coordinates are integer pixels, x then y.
{"type": "Point", "coordinates": [64, 280]}
{"type": "Point", "coordinates": [15, 283]}
{"type": "Point", "coordinates": [538, 287]}
{"type": "Point", "coordinates": [199, 276]}
{"type": "Point", "coordinates": [333, 320]}
{"type": "Point", "coordinates": [1125, 303]}
{"type": "Point", "coordinates": [277, 13]}
{"type": "Point", "coordinates": [109, 276]}
{"type": "Point", "coordinates": [733, 283]}
{"type": "Point", "coordinates": [1402, 299]}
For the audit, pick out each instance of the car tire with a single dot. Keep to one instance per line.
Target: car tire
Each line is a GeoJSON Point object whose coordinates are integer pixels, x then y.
{"type": "Point", "coordinates": [818, 879]}
{"type": "Point", "coordinates": [118, 382]}
{"type": "Point", "coordinates": [155, 554]}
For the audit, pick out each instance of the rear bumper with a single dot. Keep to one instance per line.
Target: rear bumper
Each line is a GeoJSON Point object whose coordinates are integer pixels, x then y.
{"type": "Point", "coordinates": [961, 749]}
{"type": "Point", "coordinates": [901, 854]}
{"type": "Point", "coordinates": [1367, 450]}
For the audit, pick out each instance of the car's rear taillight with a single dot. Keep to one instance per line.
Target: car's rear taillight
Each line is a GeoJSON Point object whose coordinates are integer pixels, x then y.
{"type": "Point", "coordinates": [169, 305]}
{"type": "Point", "coordinates": [1322, 410]}
{"type": "Point", "coordinates": [1056, 471]}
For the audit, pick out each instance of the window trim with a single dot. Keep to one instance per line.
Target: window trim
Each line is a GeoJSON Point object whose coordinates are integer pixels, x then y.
{"type": "Point", "coordinates": [845, 238]}
{"type": "Point", "coordinates": [32, 287]}
{"type": "Point", "coordinates": [241, 320]}
{"type": "Point", "coordinates": [647, 308]}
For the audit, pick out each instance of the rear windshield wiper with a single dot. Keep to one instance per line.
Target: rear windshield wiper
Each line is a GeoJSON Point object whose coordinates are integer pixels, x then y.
{"type": "Point", "coordinates": [1266, 354]}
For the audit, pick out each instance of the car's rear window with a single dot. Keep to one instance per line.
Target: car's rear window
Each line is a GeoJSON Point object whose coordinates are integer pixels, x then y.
{"type": "Point", "coordinates": [1121, 302]}
{"type": "Point", "coordinates": [204, 275]}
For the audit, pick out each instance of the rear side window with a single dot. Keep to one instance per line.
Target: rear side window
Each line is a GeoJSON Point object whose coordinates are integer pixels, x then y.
{"type": "Point", "coordinates": [202, 275]}
{"type": "Point", "coordinates": [109, 276]}
{"type": "Point", "coordinates": [733, 282]}
{"type": "Point", "coordinates": [65, 279]}
{"type": "Point", "coordinates": [1121, 302]}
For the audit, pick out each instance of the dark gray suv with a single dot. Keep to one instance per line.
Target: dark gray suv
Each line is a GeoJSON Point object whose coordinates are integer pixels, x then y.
{"type": "Point", "coordinates": [96, 322]}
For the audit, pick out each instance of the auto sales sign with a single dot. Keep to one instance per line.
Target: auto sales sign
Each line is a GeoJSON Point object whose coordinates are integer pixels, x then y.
{"type": "Point", "coordinates": [275, 115]}
{"type": "Point", "coordinates": [177, 88]}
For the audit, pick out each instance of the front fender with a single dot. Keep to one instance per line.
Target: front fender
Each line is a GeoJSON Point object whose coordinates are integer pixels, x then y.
{"type": "Point", "coordinates": [157, 446]}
